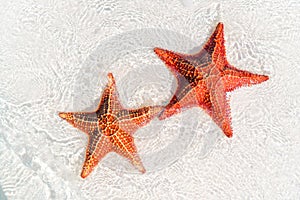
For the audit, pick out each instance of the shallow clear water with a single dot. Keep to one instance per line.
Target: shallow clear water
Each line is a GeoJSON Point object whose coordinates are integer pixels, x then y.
{"type": "Point", "coordinates": [55, 56]}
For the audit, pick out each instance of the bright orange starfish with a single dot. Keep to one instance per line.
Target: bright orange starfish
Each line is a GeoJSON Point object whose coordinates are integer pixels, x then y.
{"type": "Point", "coordinates": [204, 78]}
{"type": "Point", "coordinates": [110, 128]}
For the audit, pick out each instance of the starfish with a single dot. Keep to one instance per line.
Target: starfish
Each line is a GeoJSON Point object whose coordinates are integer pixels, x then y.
{"type": "Point", "coordinates": [204, 78]}
{"type": "Point", "coordinates": [110, 128]}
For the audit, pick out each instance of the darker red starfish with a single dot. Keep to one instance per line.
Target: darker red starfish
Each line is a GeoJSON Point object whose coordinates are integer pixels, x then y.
{"type": "Point", "coordinates": [204, 78]}
{"type": "Point", "coordinates": [110, 128]}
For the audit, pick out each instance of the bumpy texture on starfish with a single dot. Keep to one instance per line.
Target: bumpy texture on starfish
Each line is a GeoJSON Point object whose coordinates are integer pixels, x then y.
{"type": "Point", "coordinates": [204, 78]}
{"type": "Point", "coordinates": [110, 128]}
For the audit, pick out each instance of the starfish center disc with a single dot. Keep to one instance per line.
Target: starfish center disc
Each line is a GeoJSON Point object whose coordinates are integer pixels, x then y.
{"type": "Point", "coordinates": [108, 124]}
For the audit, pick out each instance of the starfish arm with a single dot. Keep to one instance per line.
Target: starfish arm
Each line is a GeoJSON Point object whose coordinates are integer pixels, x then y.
{"type": "Point", "coordinates": [169, 58]}
{"type": "Point", "coordinates": [220, 107]}
{"type": "Point", "coordinates": [178, 63]}
{"type": "Point", "coordinates": [84, 121]}
{"type": "Point", "coordinates": [186, 96]}
{"type": "Point", "coordinates": [123, 144]}
{"type": "Point", "coordinates": [203, 96]}
{"type": "Point", "coordinates": [132, 119]}
{"type": "Point", "coordinates": [184, 64]}
{"type": "Point", "coordinates": [215, 46]}
{"type": "Point", "coordinates": [98, 146]}
{"type": "Point", "coordinates": [109, 102]}
{"type": "Point", "coordinates": [234, 78]}
{"type": "Point", "coordinates": [175, 106]}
